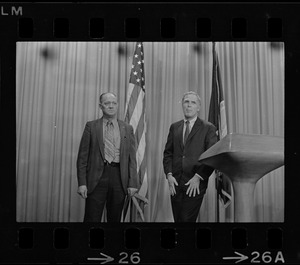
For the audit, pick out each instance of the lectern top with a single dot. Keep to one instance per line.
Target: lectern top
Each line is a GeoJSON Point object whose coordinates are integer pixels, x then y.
{"type": "Point", "coordinates": [245, 154]}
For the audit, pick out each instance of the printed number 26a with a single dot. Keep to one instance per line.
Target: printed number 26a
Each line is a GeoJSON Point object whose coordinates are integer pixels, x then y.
{"type": "Point", "coordinates": [266, 257]}
{"type": "Point", "coordinates": [134, 258]}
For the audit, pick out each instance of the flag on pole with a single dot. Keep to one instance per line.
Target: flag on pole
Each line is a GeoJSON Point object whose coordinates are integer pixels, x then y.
{"type": "Point", "coordinates": [217, 116]}
{"type": "Point", "coordinates": [135, 116]}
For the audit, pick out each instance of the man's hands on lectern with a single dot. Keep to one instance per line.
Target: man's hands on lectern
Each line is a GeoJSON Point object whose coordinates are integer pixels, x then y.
{"type": "Point", "coordinates": [172, 182]}
{"type": "Point", "coordinates": [194, 184]}
{"type": "Point", "coordinates": [82, 191]}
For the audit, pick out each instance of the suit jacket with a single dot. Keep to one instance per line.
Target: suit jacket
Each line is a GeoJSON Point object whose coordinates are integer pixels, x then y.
{"type": "Point", "coordinates": [90, 161]}
{"type": "Point", "coordinates": [182, 161]}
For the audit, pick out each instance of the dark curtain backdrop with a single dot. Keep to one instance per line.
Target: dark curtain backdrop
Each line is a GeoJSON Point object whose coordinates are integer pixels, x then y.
{"type": "Point", "coordinates": [58, 86]}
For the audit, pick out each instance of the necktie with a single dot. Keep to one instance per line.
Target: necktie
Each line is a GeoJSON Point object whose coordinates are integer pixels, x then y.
{"type": "Point", "coordinates": [187, 131]}
{"type": "Point", "coordinates": [109, 148]}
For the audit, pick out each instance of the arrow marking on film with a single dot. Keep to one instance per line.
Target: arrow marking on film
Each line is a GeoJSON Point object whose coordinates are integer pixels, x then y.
{"type": "Point", "coordinates": [240, 258]}
{"type": "Point", "coordinates": [105, 259]}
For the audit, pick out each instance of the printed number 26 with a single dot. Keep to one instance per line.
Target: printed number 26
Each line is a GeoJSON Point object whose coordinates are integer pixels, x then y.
{"type": "Point", "coordinates": [134, 258]}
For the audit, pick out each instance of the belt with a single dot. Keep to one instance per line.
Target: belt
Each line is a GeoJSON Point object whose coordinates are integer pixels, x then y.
{"type": "Point", "coordinates": [112, 164]}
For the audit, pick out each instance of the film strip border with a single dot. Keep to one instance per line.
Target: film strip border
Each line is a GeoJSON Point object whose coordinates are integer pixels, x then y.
{"type": "Point", "coordinates": [168, 28]}
{"type": "Point", "coordinates": [156, 243]}
{"type": "Point", "coordinates": [132, 239]}
{"type": "Point", "coordinates": [147, 21]}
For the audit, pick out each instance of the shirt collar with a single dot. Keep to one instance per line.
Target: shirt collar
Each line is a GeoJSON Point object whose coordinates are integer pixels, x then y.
{"type": "Point", "coordinates": [192, 121]}
{"type": "Point", "coordinates": [114, 121]}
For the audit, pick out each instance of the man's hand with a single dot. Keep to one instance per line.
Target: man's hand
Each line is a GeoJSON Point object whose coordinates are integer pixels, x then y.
{"type": "Point", "coordinates": [82, 191]}
{"type": "Point", "coordinates": [194, 184]}
{"type": "Point", "coordinates": [172, 182]}
{"type": "Point", "coordinates": [131, 191]}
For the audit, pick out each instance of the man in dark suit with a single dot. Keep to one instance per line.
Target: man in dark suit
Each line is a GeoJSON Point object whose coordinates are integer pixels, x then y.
{"type": "Point", "coordinates": [106, 163]}
{"type": "Point", "coordinates": [187, 177]}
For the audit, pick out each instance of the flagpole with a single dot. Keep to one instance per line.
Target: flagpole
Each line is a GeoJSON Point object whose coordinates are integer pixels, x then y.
{"type": "Point", "coordinates": [216, 173]}
{"type": "Point", "coordinates": [217, 116]}
{"type": "Point", "coordinates": [217, 198]}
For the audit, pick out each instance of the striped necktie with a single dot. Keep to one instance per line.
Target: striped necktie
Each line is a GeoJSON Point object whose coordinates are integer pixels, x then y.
{"type": "Point", "coordinates": [109, 148]}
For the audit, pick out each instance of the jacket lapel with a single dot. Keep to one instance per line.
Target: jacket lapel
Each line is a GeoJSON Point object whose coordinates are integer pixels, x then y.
{"type": "Point", "coordinates": [99, 133]}
{"type": "Point", "coordinates": [196, 127]}
{"type": "Point", "coordinates": [180, 134]}
{"type": "Point", "coordinates": [122, 135]}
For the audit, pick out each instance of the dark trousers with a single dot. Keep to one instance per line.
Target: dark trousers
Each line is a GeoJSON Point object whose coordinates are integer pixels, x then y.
{"type": "Point", "coordinates": [109, 191]}
{"type": "Point", "coordinates": [185, 208]}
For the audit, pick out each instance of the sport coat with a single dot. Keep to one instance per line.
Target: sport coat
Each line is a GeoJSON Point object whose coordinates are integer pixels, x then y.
{"type": "Point", "coordinates": [90, 160]}
{"type": "Point", "coordinates": [182, 161]}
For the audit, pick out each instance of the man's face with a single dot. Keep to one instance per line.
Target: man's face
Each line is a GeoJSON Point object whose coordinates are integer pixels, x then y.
{"type": "Point", "coordinates": [109, 105]}
{"type": "Point", "coordinates": [190, 106]}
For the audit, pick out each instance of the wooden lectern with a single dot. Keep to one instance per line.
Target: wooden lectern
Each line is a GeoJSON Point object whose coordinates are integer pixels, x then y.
{"type": "Point", "coordinates": [245, 159]}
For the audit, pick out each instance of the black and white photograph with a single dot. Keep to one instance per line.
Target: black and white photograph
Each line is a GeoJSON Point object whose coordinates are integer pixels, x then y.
{"type": "Point", "coordinates": [150, 132]}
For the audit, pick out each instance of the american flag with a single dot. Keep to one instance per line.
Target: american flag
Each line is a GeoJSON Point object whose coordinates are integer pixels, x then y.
{"type": "Point", "coordinates": [217, 116]}
{"type": "Point", "coordinates": [135, 114]}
